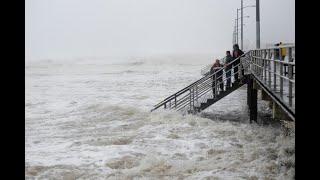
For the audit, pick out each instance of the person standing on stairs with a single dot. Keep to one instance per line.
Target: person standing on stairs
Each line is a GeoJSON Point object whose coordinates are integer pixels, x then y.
{"type": "Point", "coordinates": [217, 68]}
{"type": "Point", "coordinates": [276, 51]}
{"type": "Point", "coordinates": [283, 51]}
{"type": "Point", "coordinates": [283, 54]}
{"type": "Point", "coordinates": [235, 54]}
{"type": "Point", "coordinates": [228, 68]}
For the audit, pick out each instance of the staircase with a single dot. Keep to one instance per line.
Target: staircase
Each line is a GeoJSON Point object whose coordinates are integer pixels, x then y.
{"type": "Point", "coordinates": [206, 91]}
{"type": "Point", "coordinates": [266, 69]}
{"type": "Point", "coordinates": [221, 95]}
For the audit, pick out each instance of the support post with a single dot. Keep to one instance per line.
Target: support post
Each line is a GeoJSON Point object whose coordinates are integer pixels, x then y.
{"type": "Point", "coordinates": [254, 105]}
{"type": "Point", "coordinates": [249, 88]}
{"type": "Point", "coordinates": [252, 99]}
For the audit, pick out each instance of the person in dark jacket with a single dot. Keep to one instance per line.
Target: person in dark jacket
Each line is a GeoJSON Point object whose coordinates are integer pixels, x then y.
{"type": "Point", "coordinates": [276, 51]}
{"type": "Point", "coordinates": [217, 68]}
{"type": "Point", "coordinates": [228, 68]}
{"type": "Point", "coordinates": [235, 54]}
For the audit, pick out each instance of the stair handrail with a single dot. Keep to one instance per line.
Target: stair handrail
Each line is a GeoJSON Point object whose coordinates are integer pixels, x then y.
{"type": "Point", "coordinates": [169, 98]}
{"type": "Point", "coordinates": [203, 88]}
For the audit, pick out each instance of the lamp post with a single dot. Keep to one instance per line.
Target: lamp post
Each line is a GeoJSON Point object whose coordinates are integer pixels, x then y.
{"type": "Point", "coordinates": [234, 34]}
{"type": "Point", "coordinates": [242, 21]}
{"type": "Point", "coordinates": [258, 23]}
{"type": "Point", "coordinates": [237, 27]}
{"type": "Point", "coordinates": [242, 24]}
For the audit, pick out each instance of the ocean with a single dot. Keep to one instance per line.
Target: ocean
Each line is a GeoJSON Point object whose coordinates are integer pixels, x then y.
{"type": "Point", "coordinates": [89, 118]}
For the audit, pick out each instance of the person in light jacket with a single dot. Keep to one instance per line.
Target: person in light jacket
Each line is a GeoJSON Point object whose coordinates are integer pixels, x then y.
{"type": "Point", "coordinates": [228, 68]}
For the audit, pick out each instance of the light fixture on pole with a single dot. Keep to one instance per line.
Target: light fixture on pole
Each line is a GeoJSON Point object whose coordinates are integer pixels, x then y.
{"type": "Point", "coordinates": [242, 21]}
{"type": "Point", "coordinates": [237, 27]}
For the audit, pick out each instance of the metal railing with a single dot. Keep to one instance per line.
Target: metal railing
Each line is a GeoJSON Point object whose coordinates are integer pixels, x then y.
{"type": "Point", "coordinates": [198, 92]}
{"type": "Point", "coordinates": [270, 67]}
{"type": "Point", "coordinates": [275, 68]}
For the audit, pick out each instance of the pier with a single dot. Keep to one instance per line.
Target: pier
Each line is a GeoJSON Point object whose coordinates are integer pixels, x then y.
{"type": "Point", "coordinates": [266, 71]}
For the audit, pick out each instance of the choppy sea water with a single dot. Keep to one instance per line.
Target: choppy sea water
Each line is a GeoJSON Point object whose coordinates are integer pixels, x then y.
{"type": "Point", "coordinates": [90, 119]}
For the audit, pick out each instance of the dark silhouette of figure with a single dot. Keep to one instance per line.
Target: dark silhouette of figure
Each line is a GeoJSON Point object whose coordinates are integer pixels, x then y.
{"type": "Point", "coordinates": [235, 54]}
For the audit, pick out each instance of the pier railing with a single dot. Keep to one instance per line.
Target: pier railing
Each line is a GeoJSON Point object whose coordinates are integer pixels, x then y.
{"type": "Point", "coordinates": [190, 97]}
{"type": "Point", "coordinates": [273, 68]}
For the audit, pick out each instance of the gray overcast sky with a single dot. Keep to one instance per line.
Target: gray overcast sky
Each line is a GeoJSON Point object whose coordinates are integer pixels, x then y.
{"type": "Point", "coordinates": [76, 28]}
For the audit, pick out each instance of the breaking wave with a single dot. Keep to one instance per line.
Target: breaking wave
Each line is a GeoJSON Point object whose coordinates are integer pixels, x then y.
{"type": "Point", "coordinates": [125, 142]}
{"type": "Point", "coordinates": [84, 126]}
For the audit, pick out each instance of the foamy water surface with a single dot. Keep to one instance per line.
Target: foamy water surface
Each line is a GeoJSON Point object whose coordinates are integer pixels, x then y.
{"type": "Point", "coordinates": [90, 119]}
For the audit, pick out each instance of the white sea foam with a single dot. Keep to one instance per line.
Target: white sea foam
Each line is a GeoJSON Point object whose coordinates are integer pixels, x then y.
{"type": "Point", "coordinates": [90, 119]}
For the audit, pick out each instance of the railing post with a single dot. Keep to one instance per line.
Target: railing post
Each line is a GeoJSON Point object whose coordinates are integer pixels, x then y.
{"type": "Point", "coordinates": [240, 69]}
{"type": "Point", "coordinates": [281, 74]}
{"type": "Point", "coordinates": [250, 62]}
{"type": "Point", "coordinates": [192, 97]}
{"type": "Point", "coordinates": [175, 101]}
{"type": "Point", "coordinates": [261, 64]}
{"type": "Point", "coordinates": [269, 67]}
{"type": "Point", "coordinates": [190, 100]}
{"type": "Point", "coordinates": [197, 93]}
{"type": "Point", "coordinates": [290, 74]}
{"type": "Point", "coordinates": [274, 72]}
{"type": "Point", "coordinates": [254, 61]}
{"type": "Point", "coordinates": [258, 63]}
{"type": "Point", "coordinates": [286, 65]}
{"type": "Point", "coordinates": [215, 85]}
{"type": "Point", "coordinates": [265, 66]}
{"type": "Point", "coordinates": [165, 105]}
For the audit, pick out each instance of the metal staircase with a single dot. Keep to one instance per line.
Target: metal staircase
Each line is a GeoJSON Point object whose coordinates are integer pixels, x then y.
{"type": "Point", "coordinates": [206, 91]}
{"type": "Point", "coordinates": [272, 71]}
{"type": "Point", "coordinates": [222, 94]}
